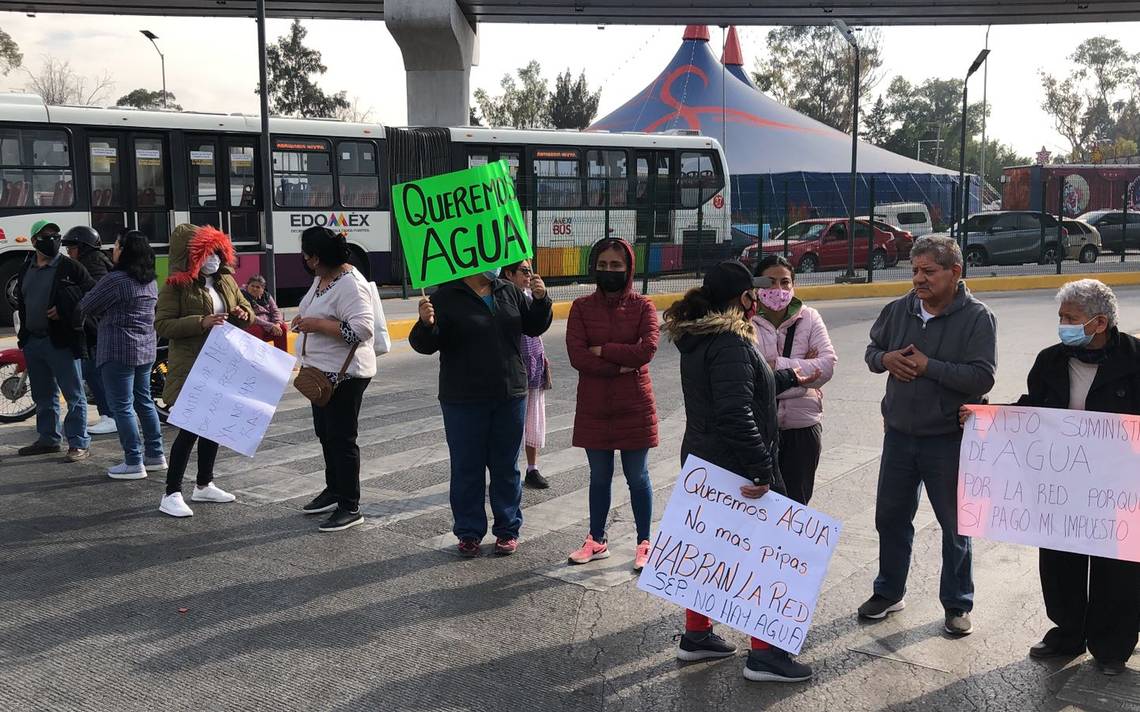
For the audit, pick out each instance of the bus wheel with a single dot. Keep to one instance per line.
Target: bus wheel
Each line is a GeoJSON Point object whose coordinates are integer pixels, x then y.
{"type": "Point", "coordinates": [9, 270]}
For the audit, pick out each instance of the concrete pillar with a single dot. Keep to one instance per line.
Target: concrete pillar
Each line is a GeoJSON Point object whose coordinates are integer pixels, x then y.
{"type": "Point", "coordinates": [439, 45]}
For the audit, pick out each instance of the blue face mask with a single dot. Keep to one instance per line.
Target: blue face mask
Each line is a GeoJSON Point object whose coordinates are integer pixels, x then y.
{"type": "Point", "coordinates": [1074, 334]}
{"type": "Point", "coordinates": [491, 275]}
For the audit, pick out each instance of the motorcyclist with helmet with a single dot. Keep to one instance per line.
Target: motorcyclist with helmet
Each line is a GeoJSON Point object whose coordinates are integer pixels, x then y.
{"type": "Point", "coordinates": [85, 247]}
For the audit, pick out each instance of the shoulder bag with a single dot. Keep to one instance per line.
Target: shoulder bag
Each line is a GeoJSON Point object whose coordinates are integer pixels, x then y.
{"type": "Point", "coordinates": [313, 383]}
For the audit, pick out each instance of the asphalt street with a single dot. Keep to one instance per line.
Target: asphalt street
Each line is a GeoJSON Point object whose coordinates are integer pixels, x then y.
{"type": "Point", "coordinates": [106, 604]}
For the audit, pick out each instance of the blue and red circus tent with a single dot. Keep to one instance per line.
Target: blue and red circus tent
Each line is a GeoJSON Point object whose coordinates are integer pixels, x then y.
{"type": "Point", "coordinates": [772, 150]}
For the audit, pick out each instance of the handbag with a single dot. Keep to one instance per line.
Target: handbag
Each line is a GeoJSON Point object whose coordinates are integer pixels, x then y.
{"type": "Point", "coordinates": [313, 383]}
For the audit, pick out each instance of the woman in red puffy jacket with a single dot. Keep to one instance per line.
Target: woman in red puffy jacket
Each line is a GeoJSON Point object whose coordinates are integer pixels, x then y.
{"type": "Point", "coordinates": [611, 337]}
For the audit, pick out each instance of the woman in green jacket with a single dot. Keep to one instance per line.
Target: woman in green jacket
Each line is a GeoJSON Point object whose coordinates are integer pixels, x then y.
{"type": "Point", "coordinates": [200, 294]}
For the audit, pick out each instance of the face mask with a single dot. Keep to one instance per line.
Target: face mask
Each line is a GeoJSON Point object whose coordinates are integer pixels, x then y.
{"type": "Point", "coordinates": [1074, 334]}
{"type": "Point", "coordinates": [48, 245]}
{"type": "Point", "coordinates": [776, 299]}
{"type": "Point", "coordinates": [491, 275]}
{"type": "Point", "coordinates": [611, 282]}
{"type": "Point", "coordinates": [750, 310]}
{"type": "Point", "coordinates": [308, 270]}
{"type": "Point", "coordinates": [211, 264]}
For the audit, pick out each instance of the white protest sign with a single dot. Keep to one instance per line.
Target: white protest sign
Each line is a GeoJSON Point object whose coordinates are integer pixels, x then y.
{"type": "Point", "coordinates": [233, 389]}
{"type": "Point", "coordinates": [754, 564]}
{"type": "Point", "coordinates": [1059, 479]}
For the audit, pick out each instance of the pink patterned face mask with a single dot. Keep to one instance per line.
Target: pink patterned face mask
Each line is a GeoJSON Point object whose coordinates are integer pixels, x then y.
{"type": "Point", "coordinates": [777, 299]}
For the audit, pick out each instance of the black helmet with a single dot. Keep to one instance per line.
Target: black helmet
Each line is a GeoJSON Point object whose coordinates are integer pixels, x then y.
{"type": "Point", "coordinates": [81, 235]}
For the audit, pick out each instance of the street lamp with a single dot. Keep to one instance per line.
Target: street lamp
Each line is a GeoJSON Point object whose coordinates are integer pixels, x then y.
{"type": "Point", "coordinates": [962, 203]}
{"type": "Point", "coordinates": [152, 37]}
{"type": "Point", "coordinates": [850, 37]}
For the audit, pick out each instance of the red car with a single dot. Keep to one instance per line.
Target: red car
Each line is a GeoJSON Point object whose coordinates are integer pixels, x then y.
{"type": "Point", "coordinates": [904, 240]}
{"type": "Point", "coordinates": [821, 244]}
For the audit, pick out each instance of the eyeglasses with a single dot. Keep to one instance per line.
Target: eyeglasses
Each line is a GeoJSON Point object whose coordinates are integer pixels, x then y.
{"type": "Point", "coordinates": [526, 270]}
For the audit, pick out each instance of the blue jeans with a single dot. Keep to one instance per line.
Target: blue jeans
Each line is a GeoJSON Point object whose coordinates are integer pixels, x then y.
{"type": "Point", "coordinates": [95, 382]}
{"type": "Point", "coordinates": [634, 463]}
{"type": "Point", "coordinates": [128, 393]}
{"type": "Point", "coordinates": [50, 371]}
{"type": "Point", "coordinates": [908, 463]}
{"type": "Point", "coordinates": [482, 436]}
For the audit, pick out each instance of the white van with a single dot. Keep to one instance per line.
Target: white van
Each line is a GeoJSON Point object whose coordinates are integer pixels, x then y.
{"type": "Point", "coordinates": [912, 217]}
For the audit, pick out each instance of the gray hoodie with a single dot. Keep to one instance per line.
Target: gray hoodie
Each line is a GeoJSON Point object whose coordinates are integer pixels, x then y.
{"type": "Point", "coordinates": [961, 344]}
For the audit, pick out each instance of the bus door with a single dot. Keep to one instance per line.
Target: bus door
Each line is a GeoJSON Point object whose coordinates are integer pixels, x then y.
{"type": "Point", "coordinates": [223, 187]}
{"type": "Point", "coordinates": [130, 184]}
{"type": "Point", "coordinates": [482, 154]}
{"type": "Point", "coordinates": [654, 195]}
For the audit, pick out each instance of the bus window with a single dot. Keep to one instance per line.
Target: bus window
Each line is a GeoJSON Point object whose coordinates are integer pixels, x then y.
{"type": "Point", "coordinates": [556, 178]}
{"type": "Point", "coordinates": [476, 159]}
{"type": "Point", "coordinates": [700, 179]}
{"type": "Point", "coordinates": [302, 171]}
{"type": "Point", "coordinates": [35, 169]}
{"type": "Point", "coordinates": [203, 174]}
{"type": "Point", "coordinates": [608, 184]}
{"type": "Point", "coordinates": [105, 186]}
{"type": "Point", "coordinates": [357, 170]}
{"type": "Point", "coordinates": [150, 176]}
{"type": "Point", "coordinates": [243, 189]}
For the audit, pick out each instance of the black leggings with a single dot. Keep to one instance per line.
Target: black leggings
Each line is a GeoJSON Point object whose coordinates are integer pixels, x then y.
{"type": "Point", "coordinates": [180, 457]}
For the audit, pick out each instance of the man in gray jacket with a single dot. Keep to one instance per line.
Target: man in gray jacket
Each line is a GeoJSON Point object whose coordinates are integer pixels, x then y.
{"type": "Point", "coordinates": [938, 345]}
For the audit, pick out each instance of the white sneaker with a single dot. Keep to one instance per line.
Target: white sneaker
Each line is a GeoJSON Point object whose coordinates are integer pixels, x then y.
{"type": "Point", "coordinates": [127, 472]}
{"type": "Point", "coordinates": [211, 493]}
{"type": "Point", "coordinates": [175, 506]}
{"type": "Point", "coordinates": [155, 464]}
{"type": "Point", "coordinates": [105, 426]}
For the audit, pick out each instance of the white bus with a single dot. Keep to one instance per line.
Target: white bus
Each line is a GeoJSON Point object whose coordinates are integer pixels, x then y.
{"type": "Point", "coordinates": [151, 170]}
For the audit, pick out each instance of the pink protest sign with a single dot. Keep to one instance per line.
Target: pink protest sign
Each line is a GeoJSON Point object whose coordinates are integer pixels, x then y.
{"type": "Point", "coordinates": [1058, 479]}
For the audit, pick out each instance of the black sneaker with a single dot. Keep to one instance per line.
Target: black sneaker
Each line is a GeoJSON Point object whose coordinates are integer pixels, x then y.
{"type": "Point", "coordinates": [1112, 668]}
{"type": "Point", "coordinates": [342, 519]}
{"type": "Point", "coordinates": [38, 449]}
{"type": "Point", "coordinates": [1045, 649]}
{"type": "Point", "coordinates": [774, 665]}
{"type": "Point", "coordinates": [703, 646]}
{"type": "Point", "coordinates": [958, 622]}
{"type": "Point", "coordinates": [535, 480]}
{"type": "Point", "coordinates": [877, 607]}
{"type": "Point", "coordinates": [323, 502]}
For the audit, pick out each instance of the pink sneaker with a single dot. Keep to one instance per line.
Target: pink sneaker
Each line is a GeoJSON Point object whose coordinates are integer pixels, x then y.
{"type": "Point", "coordinates": [590, 551]}
{"type": "Point", "coordinates": [642, 556]}
{"type": "Point", "coordinates": [507, 546]}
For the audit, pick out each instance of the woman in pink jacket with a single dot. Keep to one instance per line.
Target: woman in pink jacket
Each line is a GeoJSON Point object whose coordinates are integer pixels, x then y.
{"type": "Point", "coordinates": [792, 335]}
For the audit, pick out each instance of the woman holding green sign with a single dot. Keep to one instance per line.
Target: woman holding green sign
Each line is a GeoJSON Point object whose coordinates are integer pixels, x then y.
{"type": "Point", "coordinates": [475, 323]}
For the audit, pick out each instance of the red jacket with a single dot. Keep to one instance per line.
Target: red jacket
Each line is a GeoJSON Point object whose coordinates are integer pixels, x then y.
{"type": "Point", "coordinates": [615, 411]}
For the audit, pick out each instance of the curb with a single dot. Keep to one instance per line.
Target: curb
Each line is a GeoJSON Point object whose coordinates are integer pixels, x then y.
{"type": "Point", "coordinates": [400, 329]}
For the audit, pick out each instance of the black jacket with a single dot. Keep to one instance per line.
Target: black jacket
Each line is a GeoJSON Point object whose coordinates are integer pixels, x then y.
{"type": "Point", "coordinates": [1115, 389]}
{"type": "Point", "coordinates": [70, 284]}
{"type": "Point", "coordinates": [730, 397]}
{"type": "Point", "coordinates": [97, 264]}
{"type": "Point", "coordinates": [479, 358]}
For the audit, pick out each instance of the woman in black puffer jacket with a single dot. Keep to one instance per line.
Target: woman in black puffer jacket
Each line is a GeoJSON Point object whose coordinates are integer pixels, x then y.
{"type": "Point", "coordinates": [730, 411]}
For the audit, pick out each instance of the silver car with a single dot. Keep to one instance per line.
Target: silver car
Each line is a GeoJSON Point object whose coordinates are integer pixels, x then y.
{"type": "Point", "coordinates": [1010, 237]}
{"type": "Point", "coordinates": [1083, 242]}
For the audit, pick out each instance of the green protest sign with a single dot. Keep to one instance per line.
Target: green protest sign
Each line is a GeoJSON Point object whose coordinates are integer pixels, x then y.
{"type": "Point", "coordinates": [458, 224]}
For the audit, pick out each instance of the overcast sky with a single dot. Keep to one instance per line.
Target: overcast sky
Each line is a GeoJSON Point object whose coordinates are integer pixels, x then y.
{"type": "Point", "coordinates": [211, 63]}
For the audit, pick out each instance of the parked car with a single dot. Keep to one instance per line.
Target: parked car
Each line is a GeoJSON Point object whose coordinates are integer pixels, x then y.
{"type": "Point", "coordinates": [821, 244]}
{"type": "Point", "coordinates": [904, 239]}
{"type": "Point", "coordinates": [1010, 237]}
{"type": "Point", "coordinates": [1111, 226]}
{"type": "Point", "coordinates": [1083, 244]}
{"type": "Point", "coordinates": [912, 217]}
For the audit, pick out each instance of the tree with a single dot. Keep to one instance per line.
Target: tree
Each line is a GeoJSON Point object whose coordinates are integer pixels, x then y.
{"type": "Point", "coordinates": [1097, 102]}
{"type": "Point", "coordinates": [10, 55]}
{"type": "Point", "coordinates": [147, 99]}
{"type": "Point", "coordinates": [809, 69]}
{"type": "Point", "coordinates": [877, 124]}
{"type": "Point", "coordinates": [473, 117]}
{"type": "Point", "coordinates": [354, 112]}
{"type": "Point", "coordinates": [573, 105]}
{"type": "Point", "coordinates": [289, 65]}
{"type": "Point", "coordinates": [523, 105]}
{"type": "Point", "coordinates": [58, 84]}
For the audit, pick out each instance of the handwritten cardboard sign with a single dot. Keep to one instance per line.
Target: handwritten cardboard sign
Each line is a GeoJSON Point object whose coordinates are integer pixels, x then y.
{"type": "Point", "coordinates": [461, 223]}
{"type": "Point", "coordinates": [756, 565]}
{"type": "Point", "coordinates": [1059, 479]}
{"type": "Point", "coordinates": [233, 389]}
